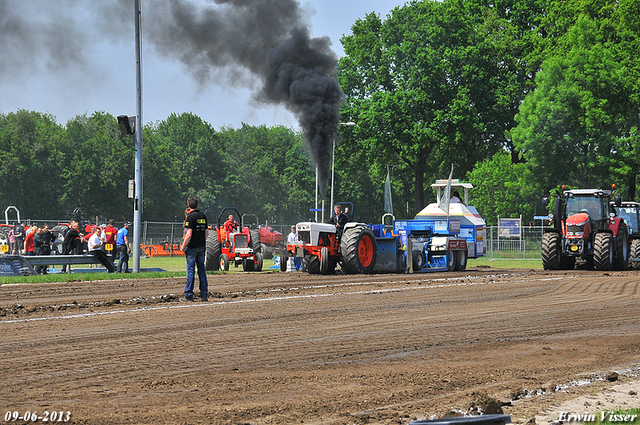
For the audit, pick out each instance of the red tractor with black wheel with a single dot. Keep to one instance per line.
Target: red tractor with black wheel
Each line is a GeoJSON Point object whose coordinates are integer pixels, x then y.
{"type": "Point", "coordinates": [241, 246]}
{"type": "Point", "coordinates": [586, 232]}
{"type": "Point", "coordinates": [323, 247]}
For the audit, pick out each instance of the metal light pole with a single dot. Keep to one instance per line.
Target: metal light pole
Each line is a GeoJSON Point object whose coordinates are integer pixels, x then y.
{"type": "Point", "coordinates": [137, 200]}
{"type": "Point", "coordinates": [333, 158]}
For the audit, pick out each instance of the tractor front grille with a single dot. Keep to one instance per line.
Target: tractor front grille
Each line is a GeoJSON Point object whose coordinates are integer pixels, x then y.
{"type": "Point", "coordinates": [305, 236]}
{"type": "Point", "coordinates": [575, 231]}
{"type": "Point", "coordinates": [240, 241]}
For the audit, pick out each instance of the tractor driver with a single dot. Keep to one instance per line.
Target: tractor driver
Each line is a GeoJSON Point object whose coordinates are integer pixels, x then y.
{"type": "Point", "coordinates": [339, 219]}
{"type": "Point", "coordinates": [230, 225]}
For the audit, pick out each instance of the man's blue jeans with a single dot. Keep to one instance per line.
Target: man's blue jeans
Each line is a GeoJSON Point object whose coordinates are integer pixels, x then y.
{"type": "Point", "coordinates": [123, 262]}
{"type": "Point", "coordinates": [195, 257]}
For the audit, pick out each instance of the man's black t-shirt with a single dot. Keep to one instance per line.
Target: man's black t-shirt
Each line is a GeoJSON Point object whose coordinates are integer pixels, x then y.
{"type": "Point", "coordinates": [197, 222]}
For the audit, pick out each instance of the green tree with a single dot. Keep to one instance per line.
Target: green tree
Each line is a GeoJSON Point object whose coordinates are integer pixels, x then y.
{"type": "Point", "coordinates": [502, 188]}
{"type": "Point", "coordinates": [96, 164]}
{"type": "Point", "coordinates": [30, 177]}
{"type": "Point", "coordinates": [185, 153]}
{"type": "Point", "coordinates": [270, 174]}
{"type": "Point", "coordinates": [569, 126]}
{"type": "Point", "coordinates": [436, 83]}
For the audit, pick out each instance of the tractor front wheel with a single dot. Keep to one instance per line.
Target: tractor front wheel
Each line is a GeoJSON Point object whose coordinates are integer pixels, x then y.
{"type": "Point", "coordinates": [224, 262]}
{"type": "Point", "coordinates": [311, 264]}
{"type": "Point", "coordinates": [551, 251]}
{"type": "Point", "coordinates": [258, 262]}
{"type": "Point", "coordinates": [603, 251]}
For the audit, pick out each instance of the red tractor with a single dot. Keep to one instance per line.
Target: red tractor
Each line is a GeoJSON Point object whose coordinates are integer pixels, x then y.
{"type": "Point", "coordinates": [322, 248]}
{"type": "Point", "coordinates": [586, 232]}
{"type": "Point", "coordinates": [270, 239]}
{"type": "Point", "coordinates": [241, 246]}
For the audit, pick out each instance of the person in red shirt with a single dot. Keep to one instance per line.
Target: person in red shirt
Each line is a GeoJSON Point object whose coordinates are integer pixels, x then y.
{"type": "Point", "coordinates": [230, 225]}
{"type": "Point", "coordinates": [110, 233]}
{"type": "Point", "coordinates": [28, 240]}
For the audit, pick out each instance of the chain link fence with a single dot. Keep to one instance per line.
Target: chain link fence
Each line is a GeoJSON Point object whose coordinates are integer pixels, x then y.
{"type": "Point", "coordinates": [526, 245]}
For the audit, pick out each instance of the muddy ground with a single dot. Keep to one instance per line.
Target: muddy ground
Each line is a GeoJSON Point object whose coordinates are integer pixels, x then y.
{"type": "Point", "coordinates": [290, 348]}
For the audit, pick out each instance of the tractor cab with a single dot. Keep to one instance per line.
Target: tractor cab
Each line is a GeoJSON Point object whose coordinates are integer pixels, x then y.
{"type": "Point", "coordinates": [630, 212]}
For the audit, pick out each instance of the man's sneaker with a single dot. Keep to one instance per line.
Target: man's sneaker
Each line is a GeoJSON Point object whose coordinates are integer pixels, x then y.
{"type": "Point", "coordinates": [189, 299]}
{"type": "Point", "coordinates": [203, 299]}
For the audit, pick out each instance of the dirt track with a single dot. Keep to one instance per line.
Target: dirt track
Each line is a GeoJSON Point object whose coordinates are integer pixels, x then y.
{"type": "Point", "coordinates": [285, 348]}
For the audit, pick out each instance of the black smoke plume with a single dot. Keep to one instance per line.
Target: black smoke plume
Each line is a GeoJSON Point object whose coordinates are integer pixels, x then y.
{"type": "Point", "coordinates": [243, 40]}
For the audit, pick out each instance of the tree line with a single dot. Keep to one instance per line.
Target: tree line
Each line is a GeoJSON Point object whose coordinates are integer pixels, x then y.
{"type": "Point", "coordinates": [523, 95]}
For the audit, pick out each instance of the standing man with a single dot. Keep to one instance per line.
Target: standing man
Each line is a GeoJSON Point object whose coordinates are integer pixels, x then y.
{"type": "Point", "coordinates": [95, 248]}
{"type": "Point", "coordinates": [110, 233]}
{"type": "Point", "coordinates": [194, 247]}
{"type": "Point", "coordinates": [42, 242]}
{"type": "Point", "coordinates": [122, 244]}
{"type": "Point", "coordinates": [292, 239]}
{"type": "Point", "coordinates": [71, 242]}
{"type": "Point", "coordinates": [18, 234]}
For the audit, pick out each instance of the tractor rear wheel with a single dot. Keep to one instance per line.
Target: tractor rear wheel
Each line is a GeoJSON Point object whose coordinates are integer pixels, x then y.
{"type": "Point", "coordinates": [634, 255]}
{"type": "Point", "coordinates": [212, 258]}
{"type": "Point", "coordinates": [359, 250]}
{"type": "Point", "coordinates": [551, 251]}
{"type": "Point", "coordinates": [255, 244]}
{"type": "Point", "coordinates": [311, 264]}
{"type": "Point", "coordinates": [621, 257]}
{"type": "Point", "coordinates": [603, 251]}
{"type": "Point", "coordinates": [461, 260]}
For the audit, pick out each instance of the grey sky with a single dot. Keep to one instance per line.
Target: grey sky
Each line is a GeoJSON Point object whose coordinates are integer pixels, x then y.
{"type": "Point", "coordinates": [68, 57]}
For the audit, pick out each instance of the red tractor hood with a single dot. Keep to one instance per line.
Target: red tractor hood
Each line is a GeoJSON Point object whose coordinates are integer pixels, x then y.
{"type": "Point", "coordinates": [577, 219]}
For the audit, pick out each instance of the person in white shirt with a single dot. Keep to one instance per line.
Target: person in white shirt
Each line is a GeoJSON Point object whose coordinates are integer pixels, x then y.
{"type": "Point", "coordinates": [293, 239]}
{"type": "Point", "coordinates": [95, 248]}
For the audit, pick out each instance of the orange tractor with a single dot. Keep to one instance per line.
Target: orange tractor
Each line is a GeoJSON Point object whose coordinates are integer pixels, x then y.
{"type": "Point", "coordinates": [322, 248]}
{"type": "Point", "coordinates": [240, 246]}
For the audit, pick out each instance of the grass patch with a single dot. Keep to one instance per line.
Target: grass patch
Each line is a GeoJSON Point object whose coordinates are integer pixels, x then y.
{"type": "Point", "coordinates": [504, 263]}
{"type": "Point", "coordinates": [171, 266]}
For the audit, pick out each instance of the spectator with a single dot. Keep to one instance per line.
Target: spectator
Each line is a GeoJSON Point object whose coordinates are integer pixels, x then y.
{"type": "Point", "coordinates": [12, 240]}
{"type": "Point", "coordinates": [96, 244]}
{"type": "Point", "coordinates": [124, 248]}
{"type": "Point", "coordinates": [194, 247]}
{"type": "Point", "coordinates": [292, 239]}
{"type": "Point", "coordinates": [71, 242]}
{"type": "Point", "coordinates": [18, 234]}
{"type": "Point", "coordinates": [42, 246]}
{"type": "Point", "coordinates": [110, 233]}
{"type": "Point", "coordinates": [29, 240]}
